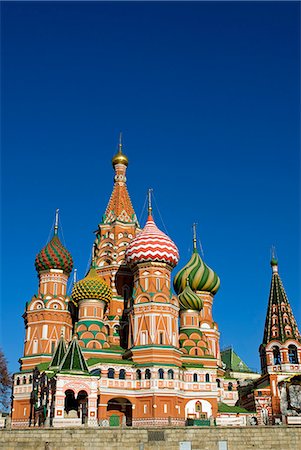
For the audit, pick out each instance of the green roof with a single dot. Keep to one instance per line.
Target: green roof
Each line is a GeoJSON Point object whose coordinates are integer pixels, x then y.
{"type": "Point", "coordinates": [59, 354]}
{"type": "Point", "coordinates": [233, 361]}
{"type": "Point", "coordinates": [223, 407]}
{"type": "Point", "coordinates": [74, 361]}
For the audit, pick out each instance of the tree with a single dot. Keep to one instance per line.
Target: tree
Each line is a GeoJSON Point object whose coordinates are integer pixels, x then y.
{"type": "Point", "coordinates": [5, 383]}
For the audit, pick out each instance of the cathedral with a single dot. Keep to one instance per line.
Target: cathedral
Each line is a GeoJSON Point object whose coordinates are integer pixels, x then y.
{"type": "Point", "coordinates": [124, 349]}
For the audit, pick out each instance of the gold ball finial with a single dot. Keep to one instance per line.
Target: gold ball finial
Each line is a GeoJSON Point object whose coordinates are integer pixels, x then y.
{"type": "Point", "coordinates": [120, 158]}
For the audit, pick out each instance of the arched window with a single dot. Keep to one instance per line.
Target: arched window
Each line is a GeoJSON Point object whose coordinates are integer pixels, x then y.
{"type": "Point", "coordinates": [170, 374]}
{"type": "Point", "coordinates": [195, 377]}
{"type": "Point", "coordinates": [161, 338]}
{"type": "Point", "coordinates": [207, 377]}
{"type": "Point", "coordinates": [293, 354]}
{"type": "Point", "coordinates": [30, 379]}
{"type": "Point", "coordinates": [18, 381]}
{"type": "Point", "coordinates": [161, 374]}
{"type": "Point", "coordinates": [230, 386]}
{"type": "Point", "coordinates": [111, 373]}
{"type": "Point", "coordinates": [218, 383]}
{"type": "Point", "coordinates": [148, 374]}
{"type": "Point", "coordinates": [277, 355]}
{"type": "Point", "coordinates": [138, 374]}
{"type": "Point", "coordinates": [24, 380]}
{"type": "Point", "coordinates": [121, 374]}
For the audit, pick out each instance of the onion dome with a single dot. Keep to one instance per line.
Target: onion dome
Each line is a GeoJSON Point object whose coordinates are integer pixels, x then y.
{"type": "Point", "coordinates": [120, 158]}
{"type": "Point", "coordinates": [151, 244]}
{"type": "Point", "coordinates": [54, 255]}
{"type": "Point", "coordinates": [199, 275]}
{"type": "Point", "coordinates": [189, 299]}
{"type": "Point", "coordinates": [91, 287]}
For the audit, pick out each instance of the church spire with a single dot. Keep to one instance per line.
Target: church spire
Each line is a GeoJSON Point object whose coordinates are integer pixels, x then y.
{"type": "Point", "coordinates": [280, 323]}
{"type": "Point", "coordinates": [120, 206]}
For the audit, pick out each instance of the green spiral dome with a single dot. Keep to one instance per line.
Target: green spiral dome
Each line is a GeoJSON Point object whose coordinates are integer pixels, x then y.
{"type": "Point", "coordinates": [190, 300]}
{"type": "Point", "coordinates": [200, 276]}
{"type": "Point", "coordinates": [92, 286]}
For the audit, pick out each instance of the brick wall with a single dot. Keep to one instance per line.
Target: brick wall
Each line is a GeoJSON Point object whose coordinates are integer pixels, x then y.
{"type": "Point", "coordinates": [244, 438]}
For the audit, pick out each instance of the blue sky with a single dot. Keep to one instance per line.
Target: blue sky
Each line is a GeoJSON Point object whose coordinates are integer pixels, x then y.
{"type": "Point", "coordinates": [207, 96]}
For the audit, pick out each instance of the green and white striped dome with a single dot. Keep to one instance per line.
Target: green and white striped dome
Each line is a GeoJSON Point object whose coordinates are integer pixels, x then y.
{"type": "Point", "coordinates": [189, 299]}
{"type": "Point", "coordinates": [199, 275]}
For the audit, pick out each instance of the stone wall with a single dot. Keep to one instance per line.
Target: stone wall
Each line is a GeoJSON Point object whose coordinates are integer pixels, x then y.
{"type": "Point", "coordinates": [204, 438]}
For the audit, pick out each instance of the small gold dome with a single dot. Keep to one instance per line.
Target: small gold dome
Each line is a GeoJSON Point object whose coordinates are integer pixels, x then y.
{"type": "Point", "coordinates": [120, 158]}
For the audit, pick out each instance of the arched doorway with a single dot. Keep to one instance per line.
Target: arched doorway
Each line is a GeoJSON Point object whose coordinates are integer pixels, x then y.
{"type": "Point", "coordinates": [71, 404]}
{"type": "Point", "coordinates": [82, 399]}
{"type": "Point", "coordinates": [119, 411]}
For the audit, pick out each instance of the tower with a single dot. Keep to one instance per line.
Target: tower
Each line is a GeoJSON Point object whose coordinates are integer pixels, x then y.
{"type": "Point", "coordinates": [117, 228]}
{"type": "Point", "coordinates": [196, 284]}
{"type": "Point", "coordinates": [153, 329]}
{"type": "Point", "coordinates": [280, 350]}
{"type": "Point", "coordinates": [47, 315]}
{"type": "Point", "coordinates": [92, 295]}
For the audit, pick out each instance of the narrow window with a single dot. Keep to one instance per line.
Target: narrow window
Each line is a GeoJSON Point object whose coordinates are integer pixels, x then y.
{"type": "Point", "coordinates": [138, 374]}
{"type": "Point", "coordinates": [161, 374]}
{"type": "Point", "coordinates": [161, 338]}
{"type": "Point", "coordinates": [24, 380]}
{"type": "Point", "coordinates": [277, 356]}
{"type": "Point", "coordinates": [207, 378]}
{"type": "Point", "coordinates": [170, 374]}
{"type": "Point", "coordinates": [55, 288]}
{"type": "Point", "coordinates": [192, 320]}
{"type": "Point", "coordinates": [45, 288]}
{"type": "Point", "coordinates": [158, 284]}
{"type": "Point", "coordinates": [18, 381]}
{"type": "Point", "coordinates": [195, 377]}
{"type": "Point", "coordinates": [148, 374]}
{"type": "Point", "coordinates": [145, 409]}
{"type": "Point", "coordinates": [230, 386]}
{"type": "Point", "coordinates": [196, 352]}
{"type": "Point", "coordinates": [111, 373]}
{"type": "Point", "coordinates": [292, 354]}
{"type": "Point", "coordinates": [165, 408]}
{"type": "Point", "coordinates": [121, 374]}
{"type": "Point", "coordinates": [218, 383]}
{"type": "Point", "coordinates": [63, 289]}
{"type": "Point", "coordinates": [52, 346]}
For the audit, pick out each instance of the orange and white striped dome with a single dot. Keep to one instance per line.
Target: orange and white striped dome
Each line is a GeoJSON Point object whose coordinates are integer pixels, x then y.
{"type": "Point", "coordinates": [151, 244]}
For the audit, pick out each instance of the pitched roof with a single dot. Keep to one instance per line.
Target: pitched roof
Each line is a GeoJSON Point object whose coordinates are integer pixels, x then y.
{"type": "Point", "coordinates": [280, 323]}
{"type": "Point", "coordinates": [224, 408]}
{"type": "Point", "coordinates": [233, 361]}
{"type": "Point", "coordinates": [58, 354]}
{"type": "Point", "coordinates": [74, 360]}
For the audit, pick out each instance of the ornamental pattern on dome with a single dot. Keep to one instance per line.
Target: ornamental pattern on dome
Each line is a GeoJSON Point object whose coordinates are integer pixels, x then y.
{"type": "Point", "coordinates": [151, 244]}
{"type": "Point", "coordinates": [92, 287]}
{"type": "Point", "coordinates": [54, 256]}
{"type": "Point", "coordinates": [189, 299]}
{"type": "Point", "coordinates": [200, 276]}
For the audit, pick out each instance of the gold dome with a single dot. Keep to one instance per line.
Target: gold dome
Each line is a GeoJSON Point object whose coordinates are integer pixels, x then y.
{"type": "Point", "coordinates": [120, 157]}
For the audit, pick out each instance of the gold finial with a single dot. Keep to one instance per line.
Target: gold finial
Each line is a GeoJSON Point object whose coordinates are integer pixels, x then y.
{"type": "Point", "coordinates": [150, 202]}
{"type": "Point", "coordinates": [56, 222]}
{"type": "Point", "coordinates": [194, 235]}
{"type": "Point", "coordinates": [120, 157]}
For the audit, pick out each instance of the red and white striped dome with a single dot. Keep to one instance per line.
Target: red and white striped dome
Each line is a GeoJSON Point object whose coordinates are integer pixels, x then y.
{"type": "Point", "coordinates": [151, 244]}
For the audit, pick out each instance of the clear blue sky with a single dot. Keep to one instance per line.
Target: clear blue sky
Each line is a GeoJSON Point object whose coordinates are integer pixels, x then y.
{"type": "Point", "coordinates": [207, 96]}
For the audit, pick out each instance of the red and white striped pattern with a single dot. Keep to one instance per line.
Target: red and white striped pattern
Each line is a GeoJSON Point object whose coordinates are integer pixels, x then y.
{"type": "Point", "coordinates": [152, 244]}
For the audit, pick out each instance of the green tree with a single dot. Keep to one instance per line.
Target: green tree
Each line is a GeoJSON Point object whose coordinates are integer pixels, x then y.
{"type": "Point", "coordinates": [5, 383]}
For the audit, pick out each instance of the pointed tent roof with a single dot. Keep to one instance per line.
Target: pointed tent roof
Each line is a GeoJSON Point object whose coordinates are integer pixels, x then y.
{"type": "Point", "coordinates": [58, 354]}
{"type": "Point", "coordinates": [233, 361]}
{"type": "Point", "coordinates": [74, 361]}
{"type": "Point", "coordinates": [280, 323]}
